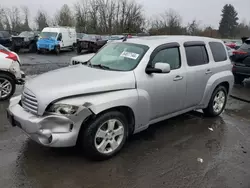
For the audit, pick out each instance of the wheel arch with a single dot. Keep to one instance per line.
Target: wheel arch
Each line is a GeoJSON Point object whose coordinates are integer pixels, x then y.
{"type": "Point", "coordinates": [225, 79]}
{"type": "Point", "coordinates": [8, 73]}
{"type": "Point", "coordinates": [127, 111]}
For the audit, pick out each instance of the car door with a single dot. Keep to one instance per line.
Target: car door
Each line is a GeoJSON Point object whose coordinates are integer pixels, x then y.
{"type": "Point", "coordinates": [166, 90]}
{"type": "Point", "coordinates": [198, 72]}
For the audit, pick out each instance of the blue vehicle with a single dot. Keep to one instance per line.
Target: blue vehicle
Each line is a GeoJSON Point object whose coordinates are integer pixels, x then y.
{"type": "Point", "coordinates": [56, 39]}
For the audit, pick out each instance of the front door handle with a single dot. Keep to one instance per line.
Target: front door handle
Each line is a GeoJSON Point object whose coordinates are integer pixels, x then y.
{"type": "Point", "coordinates": [209, 71]}
{"type": "Point", "coordinates": [177, 78]}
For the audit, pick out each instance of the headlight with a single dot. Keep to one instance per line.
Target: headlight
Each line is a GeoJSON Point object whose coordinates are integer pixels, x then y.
{"type": "Point", "coordinates": [64, 109]}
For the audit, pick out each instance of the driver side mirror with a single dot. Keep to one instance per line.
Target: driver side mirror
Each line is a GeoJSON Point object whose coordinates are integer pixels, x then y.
{"type": "Point", "coordinates": [159, 68]}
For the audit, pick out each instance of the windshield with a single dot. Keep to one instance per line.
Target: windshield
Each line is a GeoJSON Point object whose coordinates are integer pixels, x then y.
{"type": "Point", "coordinates": [26, 34]}
{"type": "Point", "coordinates": [48, 34]}
{"type": "Point", "coordinates": [120, 56]}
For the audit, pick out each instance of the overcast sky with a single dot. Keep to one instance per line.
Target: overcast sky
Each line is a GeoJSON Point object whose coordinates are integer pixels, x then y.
{"type": "Point", "coordinates": [206, 11]}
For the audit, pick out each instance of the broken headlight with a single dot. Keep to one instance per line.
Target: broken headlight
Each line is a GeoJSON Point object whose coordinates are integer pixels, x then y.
{"type": "Point", "coordinates": [63, 109]}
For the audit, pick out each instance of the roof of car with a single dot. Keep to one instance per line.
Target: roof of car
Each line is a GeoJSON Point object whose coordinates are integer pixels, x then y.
{"type": "Point", "coordinates": [158, 40]}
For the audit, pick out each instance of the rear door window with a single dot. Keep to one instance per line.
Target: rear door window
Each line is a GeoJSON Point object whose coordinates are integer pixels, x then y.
{"type": "Point", "coordinates": [218, 51]}
{"type": "Point", "coordinates": [196, 55]}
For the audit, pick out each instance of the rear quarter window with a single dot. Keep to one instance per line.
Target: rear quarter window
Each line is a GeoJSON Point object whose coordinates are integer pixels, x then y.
{"type": "Point", "coordinates": [218, 51]}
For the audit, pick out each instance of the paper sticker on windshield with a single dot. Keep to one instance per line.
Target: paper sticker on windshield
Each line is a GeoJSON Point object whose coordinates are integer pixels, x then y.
{"type": "Point", "coordinates": [130, 55]}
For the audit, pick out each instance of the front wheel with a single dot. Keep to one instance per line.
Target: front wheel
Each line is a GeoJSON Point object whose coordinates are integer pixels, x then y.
{"type": "Point", "coordinates": [57, 50]}
{"type": "Point", "coordinates": [8, 86]}
{"type": "Point", "coordinates": [78, 50]}
{"type": "Point", "coordinates": [105, 136]}
{"type": "Point", "coordinates": [217, 102]}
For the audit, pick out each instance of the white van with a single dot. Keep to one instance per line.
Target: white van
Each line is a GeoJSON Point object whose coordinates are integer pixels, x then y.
{"type": "Point", "coordinates": [56, 39]}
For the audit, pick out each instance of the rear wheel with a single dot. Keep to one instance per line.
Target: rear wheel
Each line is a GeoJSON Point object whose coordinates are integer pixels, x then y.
{"type": "Point", "coordinates": [32, 47]}
{"type": "Point", "coordinates": [217, 102]}
{"type": "Point", "coordinates": [238, 79]}
{"type": "Point", "coordinates": [7, 86]}
{"type": "Point", "coordinates": [105, 136]}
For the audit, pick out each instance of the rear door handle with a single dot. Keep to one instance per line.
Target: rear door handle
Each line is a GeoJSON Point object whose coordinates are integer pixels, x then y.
{"type": "Point", "coordinates": [177, 78]}
{"type": "Point", "coordinates": [209, 71]}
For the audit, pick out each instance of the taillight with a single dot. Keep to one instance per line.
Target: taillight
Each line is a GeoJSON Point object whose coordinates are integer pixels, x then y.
{"type": "Point", "coordinates": [239, 53]}
{"type": "Point", "coordinates": [10, 55]}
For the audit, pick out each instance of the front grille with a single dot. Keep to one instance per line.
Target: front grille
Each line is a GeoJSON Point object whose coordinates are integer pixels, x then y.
{"type": "Point", "coordinates": [29, 102]}
{"type": "Point", "coordinates": [44, 45]}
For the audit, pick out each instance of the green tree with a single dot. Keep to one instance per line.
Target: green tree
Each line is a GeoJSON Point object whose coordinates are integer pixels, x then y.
{"type": "Point", "coordinates": [41, 20]}
{"type": "Point", "coordinates": [64, 17]}
{"type": "Point", "coordinates": [26, 13]}
{"type": "Point", "coordinates": [229, 22]}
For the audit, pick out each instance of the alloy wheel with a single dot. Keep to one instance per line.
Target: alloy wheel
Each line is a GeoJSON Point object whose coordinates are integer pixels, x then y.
{"type": "Point", "coordinates": [109, 136]}
{"type": "Point", "coordinates": [5, 88]}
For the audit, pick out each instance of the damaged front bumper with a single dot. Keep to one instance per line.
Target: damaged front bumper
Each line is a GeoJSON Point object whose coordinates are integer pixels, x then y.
{"type": "Point", "coordinates": [49, 130]}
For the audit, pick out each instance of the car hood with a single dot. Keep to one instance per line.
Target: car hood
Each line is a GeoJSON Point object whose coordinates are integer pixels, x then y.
{"type": "Point", "coordinates": [76, 80]}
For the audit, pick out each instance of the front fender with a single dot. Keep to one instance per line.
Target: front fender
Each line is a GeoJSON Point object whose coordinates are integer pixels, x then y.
{"type": "Point", "coordinates": [100, 102]}
{"type": "Point", "coordinates": [213, 82]}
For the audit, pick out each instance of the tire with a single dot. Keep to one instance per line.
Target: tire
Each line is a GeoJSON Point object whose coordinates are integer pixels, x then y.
{"type": "Point", "coordinates": [15, 48]}
{"type": "Point", "coordinates": [89, 140]}
{"type": "Point", "coordinates": [32, 47]}
{"type": "Point", "coordinates": [57, 50]}
{"type": "Point", "coordinates": [5, 78]}
{"type": "Point", "coordinates": [78, 50]}
{"type": "Point", "coordinates": [211, 111]}
{"type": "Point", "coordinates": [238, 79]}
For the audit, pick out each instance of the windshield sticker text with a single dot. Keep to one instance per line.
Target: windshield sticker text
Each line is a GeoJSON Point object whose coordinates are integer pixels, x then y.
{"type": "Point", "coordinates": [130, 55]}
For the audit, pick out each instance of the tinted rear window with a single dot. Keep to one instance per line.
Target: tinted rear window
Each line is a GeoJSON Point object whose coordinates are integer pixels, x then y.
{"type": "Point", "coordinates": [218, 51]}
{"type": "Point", "coordinates": [196, 55]}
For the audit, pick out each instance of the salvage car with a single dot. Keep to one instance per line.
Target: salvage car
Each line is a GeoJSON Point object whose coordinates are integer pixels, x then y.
{"type": "Point", "coordinates": [25, 40]}
{"type": "Point", "coordinates": [10, 73]}
{"type": "Point", "coordinates": [121, 90]}
{"type": "Point", "coordinates": [90, 43]}
{"type": "Point", "coordinates": [241, 62]}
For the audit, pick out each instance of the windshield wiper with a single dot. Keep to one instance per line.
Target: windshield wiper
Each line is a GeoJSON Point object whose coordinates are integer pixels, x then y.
{"type": "Point", "coordinates": [100, 66]}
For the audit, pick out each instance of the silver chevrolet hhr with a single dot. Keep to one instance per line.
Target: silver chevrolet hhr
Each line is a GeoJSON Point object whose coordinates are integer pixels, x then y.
{"type": "Point", "coordinates": [121, 90]}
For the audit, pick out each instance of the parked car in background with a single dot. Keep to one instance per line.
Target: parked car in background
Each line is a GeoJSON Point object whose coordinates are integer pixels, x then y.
{"type": "Point", "coordinates": [5, 38]}
{"type": "Point", "coordinates": [115, 38]}
{"type": "Point", "coordinates": [90, 43]}
{"type": "Point", "coordinates": [56, 39]}
{"type": "Point", "coordinates": [121, 90]}
{"type": "Point", "coordinates": [241, 62]}
{"type": "Point", "coordinates": [80, 35]}
{"type": "Point", "coordinates": [26, 40]}
{"type": "Point", "coordinates": [10, 73]}
{"type": "Point", "coordinates": [234, 44]}
{"type": "Point", "coordinates": [230, 51]}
